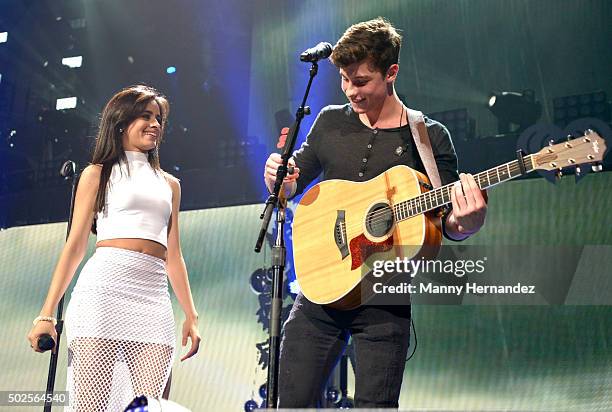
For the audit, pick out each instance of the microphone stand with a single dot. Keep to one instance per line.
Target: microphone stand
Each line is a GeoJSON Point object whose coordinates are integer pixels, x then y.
{"type": "Point", "coordinates": [68, 171]}
{"type": "Point", "coordinates": [275, 200]}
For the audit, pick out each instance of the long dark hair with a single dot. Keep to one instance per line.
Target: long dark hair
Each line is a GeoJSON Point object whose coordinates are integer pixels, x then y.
{"type": "Point", "coordinates": [119, 112]}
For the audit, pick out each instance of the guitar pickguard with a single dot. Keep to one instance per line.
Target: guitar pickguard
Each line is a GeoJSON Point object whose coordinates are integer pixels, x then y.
{"type": "Point", "coordinates": [362, 248]}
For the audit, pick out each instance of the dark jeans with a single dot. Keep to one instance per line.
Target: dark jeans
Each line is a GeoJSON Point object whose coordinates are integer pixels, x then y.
{"type": "Point", "coordinates": [314, 337]}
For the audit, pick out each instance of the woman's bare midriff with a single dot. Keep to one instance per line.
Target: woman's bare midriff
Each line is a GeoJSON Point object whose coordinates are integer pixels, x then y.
{"type": "Point", "coordinates": [149, 247]}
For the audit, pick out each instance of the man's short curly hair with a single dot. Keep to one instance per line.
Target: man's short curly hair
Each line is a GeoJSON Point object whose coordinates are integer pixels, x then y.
{"type": "Point", "coordinates": [376, 39]}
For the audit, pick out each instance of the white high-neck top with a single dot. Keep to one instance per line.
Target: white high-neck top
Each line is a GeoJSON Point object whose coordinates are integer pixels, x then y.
{"type": "Point", "coordinates": [138, 203]}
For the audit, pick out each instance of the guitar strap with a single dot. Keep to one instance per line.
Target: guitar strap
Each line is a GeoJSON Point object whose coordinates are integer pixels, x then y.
{"type": "Point", "coordinates": [423, 145]}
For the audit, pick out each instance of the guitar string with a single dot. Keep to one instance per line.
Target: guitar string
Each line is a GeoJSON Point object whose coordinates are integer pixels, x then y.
{"type": "Point", "coordinates": [420, 204]}
{"type": "Point", "coordinates": [413, 205]}
{"type": "Point", "coordinates": [421, 200]}
{"type": "Point", "coordinates": [382, 215]}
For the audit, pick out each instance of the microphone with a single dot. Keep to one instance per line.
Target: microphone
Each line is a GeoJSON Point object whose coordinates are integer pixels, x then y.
{"type": "Point", "coordinates": [45, 342]}
{"type": "Point", "coordinates": [316, 53]}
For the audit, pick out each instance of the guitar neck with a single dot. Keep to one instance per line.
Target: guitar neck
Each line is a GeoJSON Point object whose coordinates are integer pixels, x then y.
{"type": "Point", "coordinates": [441, 196]}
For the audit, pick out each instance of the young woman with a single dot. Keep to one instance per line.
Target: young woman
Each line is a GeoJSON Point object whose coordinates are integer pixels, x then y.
{"type": "Point", "coordinates": [119, 322]}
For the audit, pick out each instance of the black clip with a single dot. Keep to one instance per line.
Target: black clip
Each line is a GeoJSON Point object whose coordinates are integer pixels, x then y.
{"type": "Point", "coordinates": [521, 161]}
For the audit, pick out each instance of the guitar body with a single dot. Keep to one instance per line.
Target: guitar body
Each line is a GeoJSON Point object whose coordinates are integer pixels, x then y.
{"type": "Point", "coordinates": [339, 226]}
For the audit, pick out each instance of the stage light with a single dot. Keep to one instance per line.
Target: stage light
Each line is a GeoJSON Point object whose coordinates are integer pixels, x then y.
{"type": "Point", "coordinates": [171, 70]}
{"type": "Point", "coordinates": [570, 108]}
{"type": "Point", "coordinates": [250, 405]}
{"type": "Point", "coordinates": [260, 281]}
{"type": "Point", "coordinates": [73, 62]}
{"type": "Point", "coordinates": [66, 103]}
{"type": "Point", "coordinates": [4, 37]}
{"type": "Point", "coordinates": [332, 394]}
{"type": "Point", "coordinates": [514, 108]}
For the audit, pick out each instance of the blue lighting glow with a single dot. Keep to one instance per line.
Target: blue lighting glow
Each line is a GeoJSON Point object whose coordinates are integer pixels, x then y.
{"type": "Point", "coordinates": [171, 70]}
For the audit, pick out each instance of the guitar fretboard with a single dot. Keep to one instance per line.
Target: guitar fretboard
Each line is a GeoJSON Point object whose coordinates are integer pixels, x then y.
{"type": "Point", "coordinates": [441, 196]}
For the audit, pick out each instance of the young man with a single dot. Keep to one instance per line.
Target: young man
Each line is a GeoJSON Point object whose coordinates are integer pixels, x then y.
{"type": "Point", "coordinates": [357, 142]}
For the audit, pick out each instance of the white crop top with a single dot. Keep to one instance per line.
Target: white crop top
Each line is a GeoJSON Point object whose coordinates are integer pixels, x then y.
{"type": "Point", "coordinates": [138, 204]}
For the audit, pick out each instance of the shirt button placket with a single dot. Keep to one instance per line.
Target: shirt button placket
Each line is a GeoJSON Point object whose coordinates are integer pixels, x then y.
{"type": "Point", "coordinates": [364, 161]}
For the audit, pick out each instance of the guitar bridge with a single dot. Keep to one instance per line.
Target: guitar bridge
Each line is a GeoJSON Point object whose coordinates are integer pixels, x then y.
{"type": "Point", "coordinates": [340, 234]}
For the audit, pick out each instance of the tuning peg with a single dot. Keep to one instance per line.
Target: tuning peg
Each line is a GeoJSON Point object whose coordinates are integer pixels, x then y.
{"type": "Point", "coordinates": [578, 170]}
{"type": "Point", "coordinates": [559, 174]}
{"type": "Point", "coordinates": [596, 167]}
{"type": "Point", "coordinates": [551, 142]}
{"type": "Point", "coordinates": [569, 137]}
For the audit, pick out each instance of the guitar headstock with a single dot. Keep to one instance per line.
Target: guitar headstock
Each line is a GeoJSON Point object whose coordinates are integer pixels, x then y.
{"type": "Point", "coordinates": [589, 148]}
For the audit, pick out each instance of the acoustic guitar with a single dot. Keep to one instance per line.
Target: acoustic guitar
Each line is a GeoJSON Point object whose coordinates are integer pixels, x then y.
{"type": "Point", "coordinates": [339, 225]}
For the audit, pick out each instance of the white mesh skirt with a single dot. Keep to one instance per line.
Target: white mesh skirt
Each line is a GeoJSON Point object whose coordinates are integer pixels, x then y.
{"type": "Point", "coordinates": [120, 330]}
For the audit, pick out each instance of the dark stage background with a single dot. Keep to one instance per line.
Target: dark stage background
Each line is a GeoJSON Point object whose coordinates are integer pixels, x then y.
{"type": "Point", "coordinates": [238, 80]}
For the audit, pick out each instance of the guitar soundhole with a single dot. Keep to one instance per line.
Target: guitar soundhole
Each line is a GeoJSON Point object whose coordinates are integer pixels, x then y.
{"type": "Point", "coordinates": [379, 220]}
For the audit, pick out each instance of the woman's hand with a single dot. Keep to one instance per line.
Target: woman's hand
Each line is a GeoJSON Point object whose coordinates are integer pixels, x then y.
{"type": "Point", "coordinates": [190, 330]}
{"type": "Point", "coordinates": [42, 327]}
